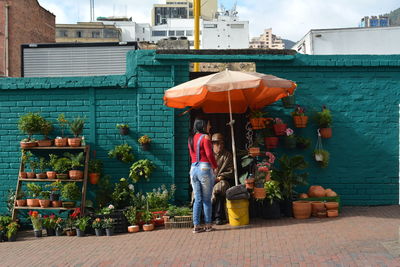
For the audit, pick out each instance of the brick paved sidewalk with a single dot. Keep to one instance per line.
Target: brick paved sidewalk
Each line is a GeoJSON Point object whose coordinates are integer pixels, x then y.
{"type": "Point", "coordinates": [362, 236]}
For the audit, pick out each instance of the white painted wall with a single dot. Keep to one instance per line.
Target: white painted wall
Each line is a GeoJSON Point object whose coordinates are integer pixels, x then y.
{"type": "Point", "coordinates": [132, 31]}
{"type": "Point", "coordinates": [225, 34]}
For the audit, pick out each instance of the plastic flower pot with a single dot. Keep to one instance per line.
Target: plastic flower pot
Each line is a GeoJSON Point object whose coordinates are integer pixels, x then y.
{"type": "Point", "coordinates": [50, 232]}
{"type": "Point", "coordinates": [319, 157]}
{"type": "Point", "coordinates": [300, 121]}
{"type": "Point", "coordinates": [326, 132]}
{"type": "Point", "coordinates": [71, 232]}
{"type": "Point", "coordinates": [59, 232]}
{"type": "Point", "coordinates": [146, 146]}
{"type": "Point", "coordinates": [124, 131]}
{"type": "Point", "coordinates": [80, 233]}
{"type": "Point", "coordinates": [280, 129]}
{"type": "Point", "coordinates": [271, 142]}
{"type": "Point", "coordinates": [13, 238]}
{"type": "Point", "coordinates": [98, 231]}
{"type": "Point", "coordinates": [37, 233]}
{"type": "Point", "coordinates": [94, 178]}
{"type": "Point", "coordinates": [109, 231]}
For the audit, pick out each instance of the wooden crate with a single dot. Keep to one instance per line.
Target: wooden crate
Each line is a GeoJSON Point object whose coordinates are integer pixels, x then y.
{"type": "Point", "coordinates": [178, 222]}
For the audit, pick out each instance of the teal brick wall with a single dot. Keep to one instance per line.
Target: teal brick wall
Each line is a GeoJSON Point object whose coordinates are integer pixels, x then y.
{"type": "Point", "coordinates": [361, 91]}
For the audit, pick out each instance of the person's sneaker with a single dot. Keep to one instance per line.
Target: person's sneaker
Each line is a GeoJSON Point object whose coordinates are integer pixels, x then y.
{"type": "Point", "coordinates": [197, 230]}
{"type": "Point", "coordinates": [219, 222]}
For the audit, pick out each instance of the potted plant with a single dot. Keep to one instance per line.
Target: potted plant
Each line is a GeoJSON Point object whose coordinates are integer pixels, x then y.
{"type": "Point", "coordinates": [302, 142]}
{"type": "Point", "coordinates": [59, 226]}
{"type": "Point", "coordinates": [71, 231]}
{"type": "Point", "coordinates": [34, 191]}
{"type": "Point", "coordinates": [49, 223]}
{"type": "Point", "coordinates": [321, 157]}
{"type": "Point", "coordinates": [270, 140]}
{"type": "Point", "coordinates": [247, 177]}
{"type": "Point", "coordinates": [12, 229]}
{"type": "Point", "coordinates": [123, 128]}
{"type": "Point", "coordinates": [254, 150]}
{"type": "Point", "coordinates": [141, 169]}
{"type": "Point", "coordinates": [271, 209]}
{"type": "Point", "coordinates": [279, 126]}
{"type": "Point", "coordinates": [25, 158]}
{"type": "Point", "coordinates": [108, 224]}
{"type": "Point", "coordinates": [131, 216]}
{"type": "Point", "coordinates": [256, 119]}
{"type": "Point", "coordinates": [42, 165]}
{"type": "Point", "coordinates": [61, 141]}
{"type": "Point", "coordinates": [45, 129]}
{"type": "Point", "coordinates": [263, 174]}
{"type": "Point", "coordinates": [76, 162]}
{"type": "Point", "coordinates": [147, 218]}
{"type": "Point", "coordinates": [97, 225]}
{"type": "Point", "coordinates": [76, 127]}
{"type": "Point", "coordinates": [324, 121]}
{"type": "Point", "coordinates": [122, 153]}
{"type": "Point", "coordinates": [36, 219]}
{"type": "Point", "coordinates": [20, 201]}
{"type": "Point", "coordinates": [289, 101]}
{"type": "Point", "coordinates": [299, 118]}
{"type": "Point", "coordinates": [34, 165]}
{"type": "Point", "coordinates": [95, 169]}
{"type": "Point", "coordinates": [158, 202]}
{"type": "Point", "coordinates": [29, 124]}
{"type": "Point", "coordinates": [44, 201]}
{"type": "Point", "coordinates": [122, 194]}
{"type": "Point", "coordinates": [288, 177]}
{"type": "Point", "coordinates": [62, 166]}
{"type": "Point", "coordinates": [290, 139]}
{"type": "Point", "coordinates": [51, 163]}
{"type": "Point", "coordinates": [70, 192]}
{"type": "Point", "coordinates": [145, 141]}
{"type": "Point", "coordinates": [81, 224]}
{"type": "Point", "coordinates": [56, 188]}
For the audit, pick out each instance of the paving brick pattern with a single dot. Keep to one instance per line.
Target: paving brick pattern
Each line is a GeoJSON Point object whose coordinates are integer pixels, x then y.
{"type": "Point", "coordinates": [361, 236]}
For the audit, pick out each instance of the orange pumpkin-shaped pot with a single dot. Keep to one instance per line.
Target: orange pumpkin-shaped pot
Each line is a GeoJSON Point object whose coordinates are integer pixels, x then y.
{"type": "Point", "coordinates": [303, 195]}
{"type": "Point", "coordinates": [316, 191]}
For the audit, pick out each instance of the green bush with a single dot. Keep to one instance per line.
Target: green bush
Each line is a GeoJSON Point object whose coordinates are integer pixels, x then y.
{"type": "Point", "coordinates": [30, 124]}
{"type": "Point", "coordinates": [122, 153]}
{"type": "Point", "coordinates": [70, 191]}
{"type": "Point", "coordinates": [141, 169]}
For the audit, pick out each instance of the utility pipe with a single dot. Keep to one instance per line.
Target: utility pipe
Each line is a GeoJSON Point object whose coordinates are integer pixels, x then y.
{"type": "Point", "coordinates": [6, 41]}
{"type": "Point", "coordinates": [197, 8]}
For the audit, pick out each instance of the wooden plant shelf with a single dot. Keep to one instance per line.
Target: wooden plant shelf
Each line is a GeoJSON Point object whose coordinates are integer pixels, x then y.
{"type": "Point", "coordinates": [49, 180]}
{"type": "Point", "coordinates": [40, 208]}
{"type": "Point", "coordinates": [56, 148]}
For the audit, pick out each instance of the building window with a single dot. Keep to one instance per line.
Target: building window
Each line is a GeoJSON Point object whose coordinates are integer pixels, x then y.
{"type": "Point", "coordinates": [62, 33]}
{"type": "Point", "coordinates": [79, 34]}
{"type": "Point", "coordinates": [189, 33]}
{"type": "Point", "coordinates": [159, 33]}
{"type": "Point", "coordinates": [171, 33]}
{"type": "Point", "coordinates": [109, 33]}
{"type": "Point", "coordinates": [96, 34]}
{"type": "Point", "coordinates": [143, 30]}
{"type": "Point", "coordinates": [210, 25]}
{"type": "Point", "coordinates": [237, 26]}
{"type": "Point", "coordinates": [180, 33]}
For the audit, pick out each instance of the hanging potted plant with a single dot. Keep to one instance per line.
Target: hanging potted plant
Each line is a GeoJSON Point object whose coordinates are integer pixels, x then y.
{"type": "Point", "coordinates": [290, 139]}
{"type": "Point", "coordinates": [20, 201]}
{"type": "Point", "coordinates": [81, 224]}
{"type": "Point", "coordinates": [145, 141]}
{"type": "Point", "coordinates": [34, 165]}
{"type": "Point", "coordinates": [25, 158]}
{"type": "Point", "coordinates": [289, 101]}
{"type": "Point", "coordinates": [36, 219]}
{"type": "Point", "coordinates": [42, 165]}
{"type": "Point", "coordinates": [271, 209]}
{"type": "Point", "coordinates": [29, 124]}
{"type": "Point", "coordinates": [321, 157]}
{"type": "Point", "coordinates": [34, 191]}
{"type": "Point", "coordinates": [279, 126]}
{"type": "Point", "coordinates": [70, 192]}
{"type": "Point", "coordinates": [76, 162]}
{"type": "Point", "coordinates": [254, 151]}
{"type": "Point", "coordinates": [324, 120]}
{"type": "Point", "coordinates": [76, 127]}
{"type": "Point", "coordinates": [147, 218]}
{"type": "Point", "coordinates": [45, 129]}
{"type": "Point", "coordinates": [270, 140]}
{"type": "Point", "coordinates": [56, 188]}
{"type": "Point", "coordinates": [12, 229]}
{"type": "Point", "coordinates": [123, 128]}
{"type": "Point", "coordinates": [131, 216]}
{"type": "Point", "coordinates": [141, 169]}
{"type": "Point", "coordinates": [95, 169]}
{"type": "Point", "coordinates": [51, 163]}
{"type": "Point", "coordinates": [256, 119]}
{"type": "Point", "coordinates": [97, 225]}
{"type": "Point", "coordinates": [108, 225]}
{"type": "Point", "coordinates": [122, 153]}
{"type": "Point", "coordinates": [299, 118]}
{"type": "Point", "coordinates": [44, 200]}
{"type": "Point", "coordinates": [61, 141]}
{"type": "Point", "coordinates": [302, 142]}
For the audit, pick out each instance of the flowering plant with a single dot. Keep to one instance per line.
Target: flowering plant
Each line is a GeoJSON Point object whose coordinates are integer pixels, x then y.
{"type": "Point", "coordinates": [299, 111]}
{"type": "Point", "coordinates": [59, 223]}
{"type": "Point", "coordinates": [82, 223]}
{"type": "Point", "coordinates": [49, 222]}
{"type": "Point", "coordinates": [289, 132]}
{"type": "Point", "coordinates": [97, 223]}
{"type": "Point", "coordinates": [264, 167]}
{"type": "Point", "coordinates": [278, 121]}
{"type": "Point", "coordinates": [107, 210]}
{"type": "Point", "coordinates": [108, 223]}
{"type": "Point", "coordinates": [36, 219]}
{"type": "Point", "coordinates": [73, 217]}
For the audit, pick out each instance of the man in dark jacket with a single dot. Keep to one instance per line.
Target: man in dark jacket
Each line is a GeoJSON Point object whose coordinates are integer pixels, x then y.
{"type": "Point", "coordinates": [224, 178]}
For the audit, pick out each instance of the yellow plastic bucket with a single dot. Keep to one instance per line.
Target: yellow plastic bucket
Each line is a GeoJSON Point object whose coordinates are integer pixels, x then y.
{"type": "Point", "coordinates": [238, 212]}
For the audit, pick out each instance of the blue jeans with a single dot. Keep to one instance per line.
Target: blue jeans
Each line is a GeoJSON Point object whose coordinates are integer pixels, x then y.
{"type": "Point", "coordinates": [202, 180]}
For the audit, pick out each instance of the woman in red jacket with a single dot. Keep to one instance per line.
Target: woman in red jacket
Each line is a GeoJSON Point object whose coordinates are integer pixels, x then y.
{"type": "Point", "coordinates": [202, 173]}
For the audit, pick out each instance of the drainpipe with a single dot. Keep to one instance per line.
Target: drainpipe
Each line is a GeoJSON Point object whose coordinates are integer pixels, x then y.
{"type": "Point", "coordinates": [6, 41]}
{"type": "Point", "coordinates": [196, 30]}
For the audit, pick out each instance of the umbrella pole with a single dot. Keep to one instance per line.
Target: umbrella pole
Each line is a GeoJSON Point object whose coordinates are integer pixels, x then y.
{"type": "Point", "coordinates": [231, 122]}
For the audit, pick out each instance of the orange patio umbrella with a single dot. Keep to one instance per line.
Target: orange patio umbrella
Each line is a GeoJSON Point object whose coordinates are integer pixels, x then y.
{"type": "Point", "coordinates": [229, 92]}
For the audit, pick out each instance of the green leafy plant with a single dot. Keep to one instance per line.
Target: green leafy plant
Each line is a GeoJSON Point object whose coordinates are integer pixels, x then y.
{"type": "Point", "coordinates": [107, 210]}
{"type": "Point", "coordinates": [60, 223]}
{"type": "Point", "coordinates": [246, 162]}
{"type": "Point", "coordinates": [33, 164]}
{"type": "Point", "coordinates": [273, 191]}
{"type": "Point", "coordinates": [10, 200]}
{"type": "Point", "coordinates": [52, 160]}
{"type": "Point", "coordinates": [108, 223]}
{"type": "Point", "coordinates": [324, 118]}
{"type": "Point", "coordinates": [299, 111]}
{"type": "Point", "coordinates": [46, 127]}
{"type": "Point", "coordinates": [178, 211]}
{"type": "Point", "coordinates": [139, 201]}
{"type": "Point", "coordinates": [45, 194]}
{"type": "Point", "coordinates": [70, 191]}
{"type": "Point", "coordinates": [104, 191]}
{"type": "Point", "coordinates": [55, 186]}
{"type": "Point", "coordinates": [5, 220]}
{"type": "Point", "coordinates": [158, 198]}
{"type": "Point", "coordinates": [268, 132]}
{"type": "Point", "coordinates": [288, 174]}
{"type": "Point", "coordinates": [62, 122]}
{"type": "Point", "coordinates": [122, 125]}
{"type": "Point", "coordinates": [97, 223]}
{"type": "Point", "coordinates": [122, 194]}
{"type": "Point", "coordinates": [50, 222]}
{"type": "Point", "coordinates": [82, 223]}
{"type": "Point", "coordinates": [34, 190]}
{"type": "Point", "coordinates": [303, 142]}
{"type": "Point", "coordinates": [62, 165]}
{"type": "Point", "coordinates": [324, 155]}
{"type": "Point", "coordinates": [76, 126]}
{"type": "Point", "coordinates": [36, 219]}
{"type": "Point", "coordinates": [131, 215]}
{"type": "Point", "coordinates": [43, 164]}
{"type": "Point", "coordinates": [141, 169]}
{"type": "Point", "coordinates": [95, 166]}
{"type": "Point", "coordinates": [122, 153]}
{"type": "Point", "coordinates": [145, 139]}
{"type": "Point", "coordinates": [30, 124]}
{"type": "Point", "coordinates": [12, 229]}
{"type": "Point", "coordinates": [75, 160]}
{"type": "Point", "coordinates": [257, 113]}
{"type": "Point", "coordinates": [147, 217]}
{"type": "Point", "coordinates": [25, 157]}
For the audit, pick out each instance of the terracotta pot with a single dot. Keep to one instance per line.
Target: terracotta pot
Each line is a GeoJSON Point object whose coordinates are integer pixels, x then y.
{"type": "Point", "coordinates": [316, 191]}
{"type": "Point", "coordinates": [76, 174]}
{"type": "Point", "coordinates": [133, 228]}
{"type": "Point", "coordinates": [300, 121]}
{"type": "Point", "coordinates": [148, 227]}
{"type": "Point", "coordinates": [31, 175]}
{"type": "Point", "coordinates": [249, 183]}
{"type": "Point", "coordinates": [51, 174]}
{"type": "Point", "coordinates": [332, 205]}
{"type": "Point", "coordinates": [302, 209]}
{"type": "Point", "coordinates": [259, 193]}
{"type": "Point", "coordinates": [32, 202]}
{"type": "Point", "coordinates": [41, 175]}
{"type": "Point", "coordinates": [21, 202]}
{"type": "Point", "coordinates": [56, 203]}
{"type": "Point", "coordinates": [74, 142]}
{"type": "Point", "coordinates": [44, 203]}
{"type": "Point", "coordinates": [71, 232]}
{"type": "Point", "coordinates": [280, 129]}
{"type": "Point", "coordinates": [28, 144]}
{"type": "Point", "coordinates": [317, 206]}
{"type": "Point", "coordinates": [326, 132]}
{"type": "Point", "coordinates": [330, 193]}
{"type": "Point", "coordinates": [62, 175]}
{"type": "Point", "coordinates": [23, 175]}
{"type": "Point", "coordinates": [271, 142]}
{"type": "Point", "coordinates": [332, 213]}
{"type": "Point", "coordinates": [94, 178]}
{"type": "Point", "coordinates": [257, 123]}
{"type": "Point", "coordinates": [254, 151]}
{"type": "Point", "coordinates": [60, 142]}
{"type": "Point", "coordinates": [47, 142]}
{"type": "Point", "coordinates": [303, 195]}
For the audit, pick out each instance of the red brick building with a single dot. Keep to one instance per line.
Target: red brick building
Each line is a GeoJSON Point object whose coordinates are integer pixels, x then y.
{"type": "Point", "coordinates": [22, 22]}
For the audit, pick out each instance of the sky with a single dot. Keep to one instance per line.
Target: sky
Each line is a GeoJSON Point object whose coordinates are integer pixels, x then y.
{"type": "Point", "coordinates": [289, 19]}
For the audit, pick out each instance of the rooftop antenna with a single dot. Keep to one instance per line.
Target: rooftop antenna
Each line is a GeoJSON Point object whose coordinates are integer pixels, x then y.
{"type": "Point", "coordinates": [91, 10]}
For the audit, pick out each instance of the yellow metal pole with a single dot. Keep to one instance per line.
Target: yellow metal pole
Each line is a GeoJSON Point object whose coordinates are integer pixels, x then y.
{"type": "Point", "coordinates": [197, 7]}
